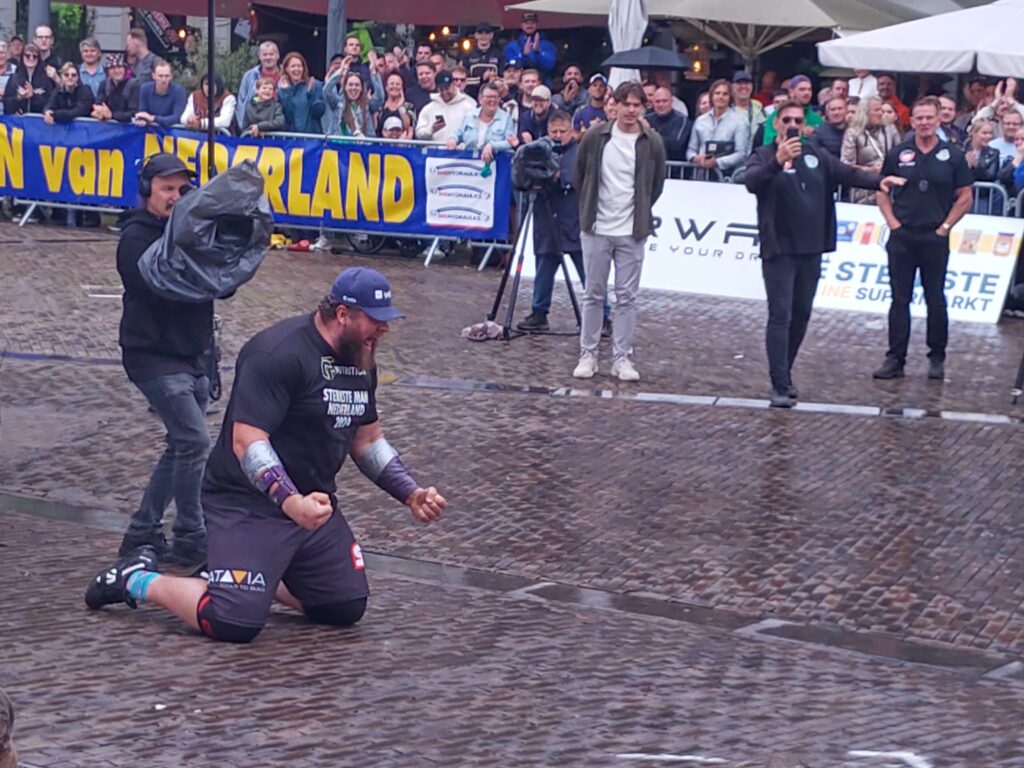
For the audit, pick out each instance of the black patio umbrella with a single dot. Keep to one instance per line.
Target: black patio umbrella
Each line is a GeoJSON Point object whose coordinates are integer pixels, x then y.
{"type": "Point", "coordinates": [648, 57]}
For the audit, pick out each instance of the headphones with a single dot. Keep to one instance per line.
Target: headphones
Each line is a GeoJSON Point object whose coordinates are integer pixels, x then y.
{"type": "Point", "coordinates": [145, 178]}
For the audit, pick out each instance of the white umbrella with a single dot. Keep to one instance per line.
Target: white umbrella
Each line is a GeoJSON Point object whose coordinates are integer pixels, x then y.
{"type": "Point", "coordinates": [753, 28]}
{"type": "Point", "coordinates": [627, 22]}
{"type": "Point", "coordinates": [986, 39]}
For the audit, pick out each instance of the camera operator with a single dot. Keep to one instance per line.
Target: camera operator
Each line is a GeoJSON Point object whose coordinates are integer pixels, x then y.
{"type": "Point", "coordinates": [163, 344]}
{"type": "Point", "coordinates": [795, 184]}
{"type": "Point", "coordinates": [556, 222]}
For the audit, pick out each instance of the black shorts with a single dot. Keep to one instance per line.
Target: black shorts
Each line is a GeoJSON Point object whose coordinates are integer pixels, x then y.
{"type": "Point", "coordinates": [249, 554]}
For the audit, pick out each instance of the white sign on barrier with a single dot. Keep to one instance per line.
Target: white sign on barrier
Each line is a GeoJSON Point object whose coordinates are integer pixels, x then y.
{"type": "Point", "coordinates": [458, 195]}
{"type": "Point", "coordinates": [707, 243]}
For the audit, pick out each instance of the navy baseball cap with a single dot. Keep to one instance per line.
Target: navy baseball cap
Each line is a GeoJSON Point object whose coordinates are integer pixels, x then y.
{"type": "Point", "coordinates": [368, 290]}
{"type": "Point", "coordinates": [742, 77]}
{"type": "Point", "coordinates": [165, 164]}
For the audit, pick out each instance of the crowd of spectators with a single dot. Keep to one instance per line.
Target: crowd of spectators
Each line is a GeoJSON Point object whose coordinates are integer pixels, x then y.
{"type": "Point", "coordinates": [496, 97]}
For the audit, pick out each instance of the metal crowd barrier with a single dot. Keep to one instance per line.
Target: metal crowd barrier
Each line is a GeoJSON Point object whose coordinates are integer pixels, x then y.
{"type": "Point", "coordinates": [990, 199]}
{"type": "Point", "coordinates": [678, 169]}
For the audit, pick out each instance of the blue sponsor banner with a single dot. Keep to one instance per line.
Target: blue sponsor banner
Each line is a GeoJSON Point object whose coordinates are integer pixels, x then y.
{"type": "Point", "coordinates": [365, 186]}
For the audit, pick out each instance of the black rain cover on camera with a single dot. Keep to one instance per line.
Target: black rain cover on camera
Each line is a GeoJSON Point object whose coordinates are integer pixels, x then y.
{"type": "Point", "coordinates": [215, 240]}
{"type": "Point", "coordinates": [534, 164]}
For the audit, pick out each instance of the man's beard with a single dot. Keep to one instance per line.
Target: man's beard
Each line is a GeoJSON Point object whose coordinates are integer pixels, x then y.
{"type": "Point", "coordinates": [355, 353]}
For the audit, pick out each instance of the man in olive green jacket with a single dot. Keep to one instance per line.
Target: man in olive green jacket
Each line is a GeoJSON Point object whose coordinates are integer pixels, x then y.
{"type": "Point", "coordinates": [620, 172]}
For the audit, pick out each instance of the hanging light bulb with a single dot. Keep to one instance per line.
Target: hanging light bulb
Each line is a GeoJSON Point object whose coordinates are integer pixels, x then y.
{"type": "Point", "coordinates": [466, 44]}
{"type": "Point", "coordinates": [432, 37]}
{"type": "Point", "coordinates": [445, 30]}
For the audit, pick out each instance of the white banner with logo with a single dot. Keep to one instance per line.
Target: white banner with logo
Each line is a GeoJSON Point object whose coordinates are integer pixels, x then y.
{"type": "Point", "coordinates": [707, 243]}
{"type": "Point", "coordinates": [458, 194]}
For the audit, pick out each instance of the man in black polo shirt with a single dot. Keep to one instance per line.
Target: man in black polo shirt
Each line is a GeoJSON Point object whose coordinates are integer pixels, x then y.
{"type": "Point", "coordinates": [795, 183]}
{"type": "Point", "coordinates": [920, 216]}
{"type": "Point", "coordinates": [304, 398]}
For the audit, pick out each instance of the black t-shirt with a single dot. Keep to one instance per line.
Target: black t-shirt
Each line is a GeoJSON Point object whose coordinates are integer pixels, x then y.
{"type": "Point", "coordinates": [289, 383]}
{"type": "Point", "coordinates": [799, 213]}
{"type": "Point", "coordinates": [933, 178]}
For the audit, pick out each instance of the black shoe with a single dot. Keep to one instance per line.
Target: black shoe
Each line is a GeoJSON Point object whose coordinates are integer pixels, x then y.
{"type": "Point", "coordinates": [111, 585]}
{"type": "Point", "coordinates": [154, 538]}
{"type": "Point", "coordinates": [606, 328]}
{"type": "Point", "coordinates": [792, 393]}
{"type": "Point", "coordinates": [535, 321]}
{"type": "Point", "coordinates": [779, 399]}
{"type": "Point", "coordinates": [936, 369]}
{"type": "Point", "coordinates": [891, 369]}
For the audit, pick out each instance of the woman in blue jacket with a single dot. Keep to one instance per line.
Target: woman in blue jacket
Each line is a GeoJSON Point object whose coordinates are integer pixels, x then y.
{"type": "Point", "coordinates": [301, 96]}
{"type": "Point", "coordinates": [486, 129]}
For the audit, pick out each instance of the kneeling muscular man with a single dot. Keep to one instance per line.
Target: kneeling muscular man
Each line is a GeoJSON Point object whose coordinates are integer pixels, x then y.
{"type": "Point", "coordinates": [304, 398]}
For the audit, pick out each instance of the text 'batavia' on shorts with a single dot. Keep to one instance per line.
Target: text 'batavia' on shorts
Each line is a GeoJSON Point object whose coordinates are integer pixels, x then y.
{"type": "Point", "coordinates": [249, 554]}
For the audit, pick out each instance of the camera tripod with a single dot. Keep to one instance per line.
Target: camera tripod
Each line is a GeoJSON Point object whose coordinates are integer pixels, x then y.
{"type": "Point", "coordinates": [519, 256]}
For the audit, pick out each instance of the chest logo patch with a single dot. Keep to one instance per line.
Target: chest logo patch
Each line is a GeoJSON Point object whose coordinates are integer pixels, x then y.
{"type": "Point", "coordinates": [907, 156]}
{"type": "Point", "coordinates": [811, 161]}
{"type": "Point", "coordinates": [942, 154]}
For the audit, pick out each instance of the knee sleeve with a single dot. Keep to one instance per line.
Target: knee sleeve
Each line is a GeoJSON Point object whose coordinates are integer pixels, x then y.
{"type": "Point", "coordinates": [338, 614]}
{"type": "Point", "coordinates": [217, 629]}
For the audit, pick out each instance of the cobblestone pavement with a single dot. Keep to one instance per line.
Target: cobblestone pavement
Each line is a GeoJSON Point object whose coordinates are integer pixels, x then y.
{"type": "Point", "coordinates": [655, 553]}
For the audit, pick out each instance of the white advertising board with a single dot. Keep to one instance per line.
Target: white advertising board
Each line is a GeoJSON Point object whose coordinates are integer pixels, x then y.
{"type": "Point", "coordinates": [707, 243]}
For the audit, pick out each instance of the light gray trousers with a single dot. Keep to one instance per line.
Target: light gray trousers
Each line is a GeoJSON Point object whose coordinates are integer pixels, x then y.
{"type": "Point", "coordinates": [599, 253]}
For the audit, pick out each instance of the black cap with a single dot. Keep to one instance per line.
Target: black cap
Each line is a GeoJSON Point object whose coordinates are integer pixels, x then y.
{"type": "Point", "coordinates": [165, 164]}
{"type": "Point", "coordinates": [484, 26]}
{"type": "Point", "coordinates": [444, 77]}
{"type": "Point", "coordinates": [530, 16]}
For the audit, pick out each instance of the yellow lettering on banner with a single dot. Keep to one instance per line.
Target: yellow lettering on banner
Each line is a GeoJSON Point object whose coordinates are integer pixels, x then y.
{"type": "Point", "coordinates": [12, 169]}
{"type": "Point", "coordinates": [153, 145]}
{"type": "Point", "coordinates": [327, 190]}
{"type": "Point", "coordinates": [53, 165]}
{"type": "Point", "coordinates": [298, 201]}
{"type": "Point", "coordinates": [187, 151]}
{"type": "Point", "coordinates": [81, 171]}
{"type": "Point", "coordinates": [111, 173]}
{"type": "Point", "coordinates": [362, 187]}
{"type": "Point", "coordinates": [220, 159]}
{"type": "Point", "coordinates": [398, 189]}
{"type": "Point", "coordinates": [272, 166]}
{"type": "Point", "coordinates": [245, 152]}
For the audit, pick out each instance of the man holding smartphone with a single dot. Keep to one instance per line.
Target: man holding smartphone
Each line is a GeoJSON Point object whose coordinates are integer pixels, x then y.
{"type": "Point", "coordinates": [440, 119]}
{"type": "Point", "coordinates": [795, 184]}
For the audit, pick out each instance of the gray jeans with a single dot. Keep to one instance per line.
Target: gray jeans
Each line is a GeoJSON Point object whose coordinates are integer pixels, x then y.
{"type": "Point", "coordinates": [599, 253]}
{"type": "Point", "coordinates": [180, 401]}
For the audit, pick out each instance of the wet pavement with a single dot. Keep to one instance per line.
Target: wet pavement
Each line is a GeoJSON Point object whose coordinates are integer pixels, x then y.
{"type": "Point", "coordinates": [627, 571]}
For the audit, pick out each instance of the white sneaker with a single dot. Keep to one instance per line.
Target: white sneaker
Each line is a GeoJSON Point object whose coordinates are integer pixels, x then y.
{"type": "Point", "coordinates": [587, 366]}
{"type": "Point", "coordinates": [623, 370]}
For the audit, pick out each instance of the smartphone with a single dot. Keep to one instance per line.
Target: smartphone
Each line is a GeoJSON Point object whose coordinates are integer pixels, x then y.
{"type": "Point", "coordinates": [439, 119]}
{"type": "Point", "coordinates": [792, 133]}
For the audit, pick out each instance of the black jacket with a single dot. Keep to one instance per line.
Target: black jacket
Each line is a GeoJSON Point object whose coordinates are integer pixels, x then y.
{"type": "Point", "coordinates": [158, 336]}
{"type": "Point", "coordinates": [67, 105]}
{"type": "Point", "coordinates": [674, 129]}
{"type": "Point", "coordinates": [556, 212]}
{"type": "Point", "coordinates": [763, 169]}
{"type": "Point", "coordinates": [536, 126]}
{"type": "Point", "coordinates": [829, 138]}
{"type": "Point", "coordinates": [122, 99]}
{"type": "Point", "coordinates": [37, 103]}
{"type": "Point", "coordinates": [477, 63]}
{"type": "Point", "coordinates": [987, 167]}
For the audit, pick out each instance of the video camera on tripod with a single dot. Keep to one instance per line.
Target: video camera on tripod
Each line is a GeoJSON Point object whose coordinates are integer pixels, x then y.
{"type": "Point", "coordinates": [534, 168]}
{"type": "Point", "coordinates": [535, 165]}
